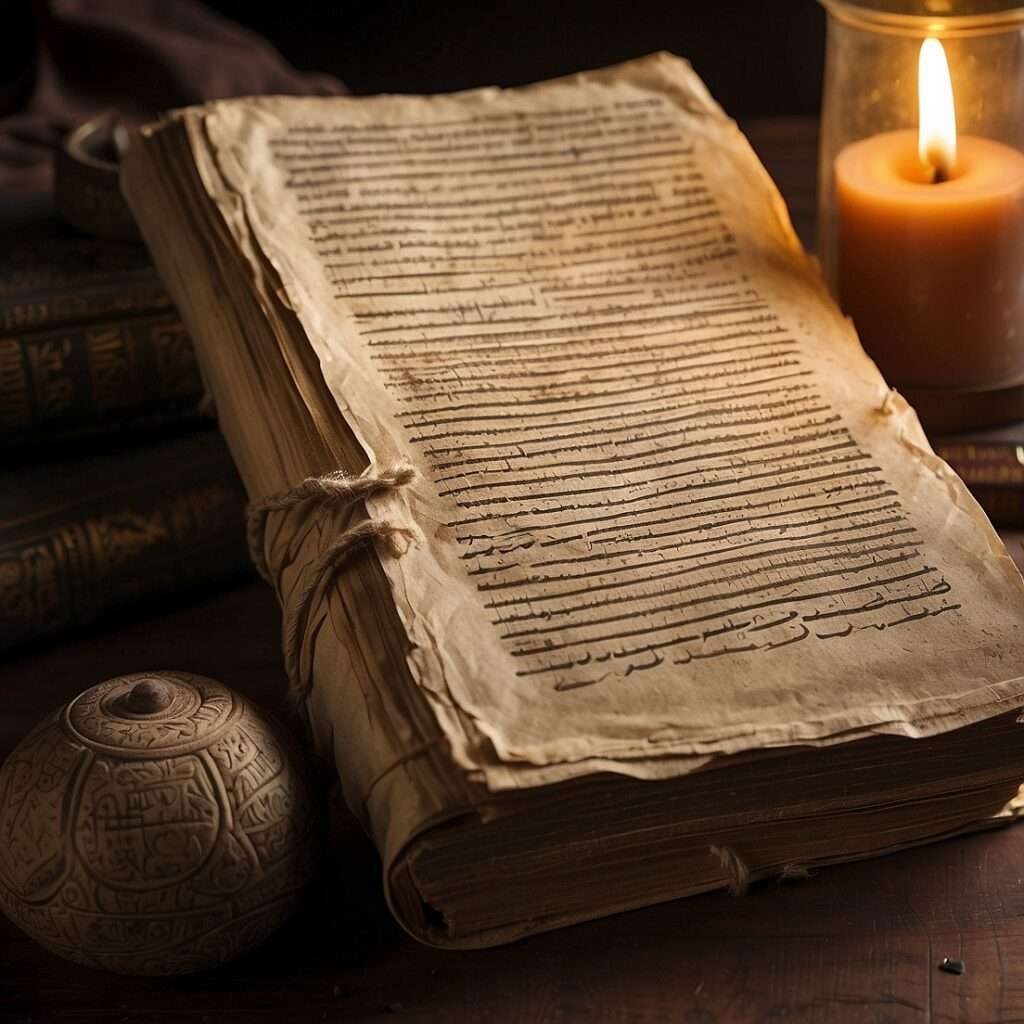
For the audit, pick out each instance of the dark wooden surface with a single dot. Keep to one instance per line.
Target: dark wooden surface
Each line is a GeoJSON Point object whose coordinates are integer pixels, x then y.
{"type": "Point", "coordinates": [859, 942]}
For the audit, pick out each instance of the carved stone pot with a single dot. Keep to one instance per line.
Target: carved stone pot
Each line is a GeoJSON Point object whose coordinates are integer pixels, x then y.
{"type": "Point", "coordinates": [157, 824]}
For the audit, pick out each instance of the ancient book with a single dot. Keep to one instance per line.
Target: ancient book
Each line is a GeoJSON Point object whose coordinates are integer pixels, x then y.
{"type": "Point", "coordinates": [611, 569]}
{"type": "Point", "coordinates": [993, 469]}
{"type": "Point", "coordinates": [51, 276]}
{"type": "Point", "coordinates": [66, 384]}
{"type": "Point", "coordinates": [127, 532]}
{"type": "Point", "coordinates": [89, 342]}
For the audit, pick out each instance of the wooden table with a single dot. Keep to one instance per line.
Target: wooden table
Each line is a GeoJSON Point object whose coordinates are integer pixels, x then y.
{"type": "Point", "coordinates": [859, 942]}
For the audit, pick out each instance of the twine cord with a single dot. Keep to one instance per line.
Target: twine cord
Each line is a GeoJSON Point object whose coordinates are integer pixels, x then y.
{"type": "Point", "coordinates": [336, 489]}
{"type": "Point", "coordinates": [739, 876]}
{"type": "Point", "coordinates": [736, 871]}
{"type": "Point", "coordinates": [321, 575]}
{"type": "Point", "coordinates": [339, 492]}
{"type": "Point", "coordinates": [338, 486]}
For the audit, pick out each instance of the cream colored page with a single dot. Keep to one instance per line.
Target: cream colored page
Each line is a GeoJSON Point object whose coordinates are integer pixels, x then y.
{"type": "Point", "coordinates": [661, 509]}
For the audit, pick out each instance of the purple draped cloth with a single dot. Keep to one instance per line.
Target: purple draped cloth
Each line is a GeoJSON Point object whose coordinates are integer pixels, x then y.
{"type": "Point", "coordinates": [139, 57]}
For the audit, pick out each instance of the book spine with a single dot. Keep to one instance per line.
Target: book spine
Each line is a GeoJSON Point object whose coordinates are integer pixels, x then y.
{"type": "Point", "coordinates": [994, 474]}
{"type": "Point", "coordinates": [83, 541]}
{"type": "Point", "coordinates": [53, 305]}
{"type": "Point", "coordinates": [101, 378]}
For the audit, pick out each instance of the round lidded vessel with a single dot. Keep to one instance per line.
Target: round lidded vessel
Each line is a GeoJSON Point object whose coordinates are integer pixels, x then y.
{"type": "Point", "coordinates": [157, 824]}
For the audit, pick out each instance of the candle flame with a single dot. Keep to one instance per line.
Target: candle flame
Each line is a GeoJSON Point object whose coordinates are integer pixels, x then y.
{"type": "Point", "coordinates": [936, 133]}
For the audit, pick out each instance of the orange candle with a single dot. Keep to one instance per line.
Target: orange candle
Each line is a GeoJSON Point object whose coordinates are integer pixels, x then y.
{"type": "Point", "coordinates": [931, 247]}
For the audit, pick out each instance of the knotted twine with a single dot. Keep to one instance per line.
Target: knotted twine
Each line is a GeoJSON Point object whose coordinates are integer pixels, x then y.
{"type": "Point", "coordinates": [340, 492]}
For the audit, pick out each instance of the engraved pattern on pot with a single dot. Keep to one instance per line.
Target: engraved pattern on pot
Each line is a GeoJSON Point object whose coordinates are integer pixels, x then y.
{"type": "Point", "coordinates": [183, 849]}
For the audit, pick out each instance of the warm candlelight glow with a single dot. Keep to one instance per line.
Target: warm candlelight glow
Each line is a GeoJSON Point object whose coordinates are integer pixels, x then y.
{"type": "Point", "coordinates": [936, 133]}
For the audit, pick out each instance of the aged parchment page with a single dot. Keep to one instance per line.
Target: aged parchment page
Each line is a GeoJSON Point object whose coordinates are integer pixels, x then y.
{"type": "Point", "coordinates": [665, 509]}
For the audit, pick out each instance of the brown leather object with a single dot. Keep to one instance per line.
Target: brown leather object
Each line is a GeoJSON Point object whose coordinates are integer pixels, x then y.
{"type": "Point", "coordinates": [141, 57]}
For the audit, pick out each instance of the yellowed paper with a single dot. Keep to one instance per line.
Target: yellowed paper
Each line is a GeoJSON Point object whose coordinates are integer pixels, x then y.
{"type": "Point", "coordinates": [665, 509]}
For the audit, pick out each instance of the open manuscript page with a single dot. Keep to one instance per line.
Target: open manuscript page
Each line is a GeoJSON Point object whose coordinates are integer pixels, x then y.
{"type": "Point", "coordinates": [666, 508]}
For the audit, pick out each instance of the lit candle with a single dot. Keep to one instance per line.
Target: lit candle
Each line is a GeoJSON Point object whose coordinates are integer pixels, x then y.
{"type": "Point", "coordinates": [931, 246]}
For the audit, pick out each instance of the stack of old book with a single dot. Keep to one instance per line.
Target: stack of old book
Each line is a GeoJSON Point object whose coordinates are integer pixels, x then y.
{"type": "Point", "coordinates": [116, 493]}
{"type": "Point", "coordinates": [991, 463]}
{"type": "Point", "coordinates": [624, 576]}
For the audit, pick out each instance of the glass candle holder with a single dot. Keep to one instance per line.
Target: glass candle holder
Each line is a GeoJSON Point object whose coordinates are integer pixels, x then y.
{"type": "Point", "coordinates": [921, 233]}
